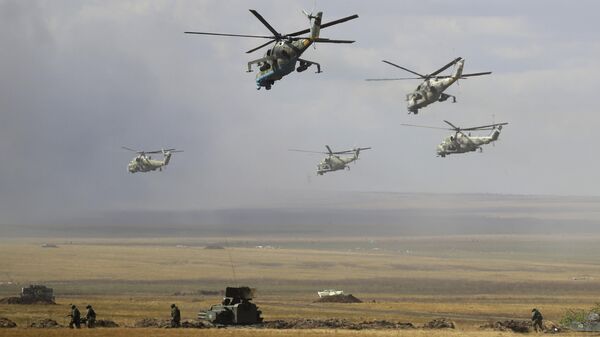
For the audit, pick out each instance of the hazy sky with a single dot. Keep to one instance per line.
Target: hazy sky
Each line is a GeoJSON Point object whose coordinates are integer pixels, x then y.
{"type": "Point", "coordinates": [79, 79]}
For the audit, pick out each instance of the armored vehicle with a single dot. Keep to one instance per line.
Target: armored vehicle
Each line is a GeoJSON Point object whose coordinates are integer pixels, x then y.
{"type": "Point", "coordinates": [236, 308]}
{"type": "Point", "coordinates": [37, 293]}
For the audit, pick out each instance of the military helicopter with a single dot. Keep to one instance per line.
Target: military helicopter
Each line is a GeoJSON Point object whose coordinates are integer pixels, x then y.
{"type": "Point", "coordinates": [144, 163]}
{"type": "Point", "coordinates": [333, 162]}
{"type": "Point", "coordinates": [461, 142]}
{"type": "Point", "coordinates": [281, 59]}
{"type": "Point", "coordinates": [433, 86]}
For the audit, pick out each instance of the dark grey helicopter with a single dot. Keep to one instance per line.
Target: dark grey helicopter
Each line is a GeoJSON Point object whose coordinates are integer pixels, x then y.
{"type": "Point", "coordinates": [281, 59]}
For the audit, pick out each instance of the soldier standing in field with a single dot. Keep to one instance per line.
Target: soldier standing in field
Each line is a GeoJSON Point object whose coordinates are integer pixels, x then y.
{"type": "Point", "coordinates": [75, 317]}
{"type": "Point", "coordinates": [90, 317]}
{"type": "Point", "coordinates": [175, 316]}
{"type": "Point", "coordinates": [537, 320]}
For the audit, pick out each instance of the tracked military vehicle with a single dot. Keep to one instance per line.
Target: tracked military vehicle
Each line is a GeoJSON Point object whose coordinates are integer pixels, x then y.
{"type": "Point", "coordinates": [236, 308]}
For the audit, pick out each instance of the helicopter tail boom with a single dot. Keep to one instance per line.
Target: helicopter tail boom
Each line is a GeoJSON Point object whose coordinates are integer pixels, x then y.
{"type": "Point", "coordinates": [496, 133]}
{"type": "Point", "coordinates": [167, 155]}
{"type": "Point", "coordinates": [315, 28]}
{"type": "Point", "coordinates": [459, 69]}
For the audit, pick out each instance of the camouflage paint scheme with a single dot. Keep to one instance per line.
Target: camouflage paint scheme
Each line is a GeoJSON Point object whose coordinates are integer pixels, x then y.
{"type": "Point", "coordinates": [334, 162]}
{"type": "Point", "coordinates": [281, 59]}
{"type": "Point", "coordinates": [461, 143]}
{"type": "Point", "coordinates": [433, 86]}
{"type": "Point", "coordinates": [144, 163]}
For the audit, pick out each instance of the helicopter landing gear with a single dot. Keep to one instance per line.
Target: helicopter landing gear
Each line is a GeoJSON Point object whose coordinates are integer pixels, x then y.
{"type": "Point", "coordinates": [444, 97]}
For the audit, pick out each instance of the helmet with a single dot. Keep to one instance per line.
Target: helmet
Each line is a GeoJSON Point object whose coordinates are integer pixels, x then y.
{"type": "Point", "coordinates": [534, 309]}
{"type": "Point", "coordinates": [173, 305]}
{"type": "Point", "coordinates": [88, 306]}
{"type": "Point", "coordinates": [73, 306]}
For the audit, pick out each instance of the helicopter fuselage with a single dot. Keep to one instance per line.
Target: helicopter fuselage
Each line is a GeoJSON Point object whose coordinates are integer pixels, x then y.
{"type": "Point", "coordinates": [461, 143]}
{"type": "Point", "coordinates": [334, 163]}
{"type": "Point", "coordinates": [144, 163]}
{"type": "Point", "coordinates": [281, 60]}
{"type": "Point", "coordinates": [432, 90]}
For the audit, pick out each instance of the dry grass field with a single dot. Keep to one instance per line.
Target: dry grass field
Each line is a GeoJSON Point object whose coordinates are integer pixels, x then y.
{"type": "Point", "coordinates": [470, 280]}
{"type": "Point", "coordinates": [252, 332]}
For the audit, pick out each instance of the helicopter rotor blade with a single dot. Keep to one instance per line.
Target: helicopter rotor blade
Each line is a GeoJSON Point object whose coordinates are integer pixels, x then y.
{"type": "Point", "coordinates": [325, 25]}
{"type": "Point", "coordinates": [393, 79]}
{"type": "Point", "coordinates": [323, 40]}
{"type": "Point", "coordinates": [453, 126]}
{"type": "Point", "coordinates": [235, 35]}
{"type": "Point", "coordinates": [476, 74]}
{"type": "Point", "coordinates": [296, 150]}
{"type": "Point", "coordinates": [352, 151]}
{"type": "Point", "coordinates": [129, 149]}
{"type": "Point", "coordinates": [164, 150]}
{"type": "Point", "coordinates": [425, 126]}
{"type": "Point", "coordinates": [329, 149]}
{"type": "Point", "coordinates": [405, 69]}
{"type": "Point", "coordinates": [444, 67]}
{"type": "Point", "coordinates": [335, 22]}
{"type": "Point", "coordinates": [484, 127]}
{"type": "Point", "coordinates": [264, 22]}
{"type": "Point", "coordinates": [261, 46]}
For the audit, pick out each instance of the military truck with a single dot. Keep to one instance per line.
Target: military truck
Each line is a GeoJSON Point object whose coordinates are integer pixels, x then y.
{"type": "Point", "coordinates": [37, 293]}
{"type": "Point", "coordinates": [236, 308]}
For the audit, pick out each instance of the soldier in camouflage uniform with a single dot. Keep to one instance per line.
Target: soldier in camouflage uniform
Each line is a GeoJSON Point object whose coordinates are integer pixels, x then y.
{"type": "Point", "coordinates": [537, 320]}
{"type": "Point", "coordinates": [175, 316]}
{"type": "Point", "coordinates": [75, 317]}
{"type": "Point", "coordinates": [90, 317]}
